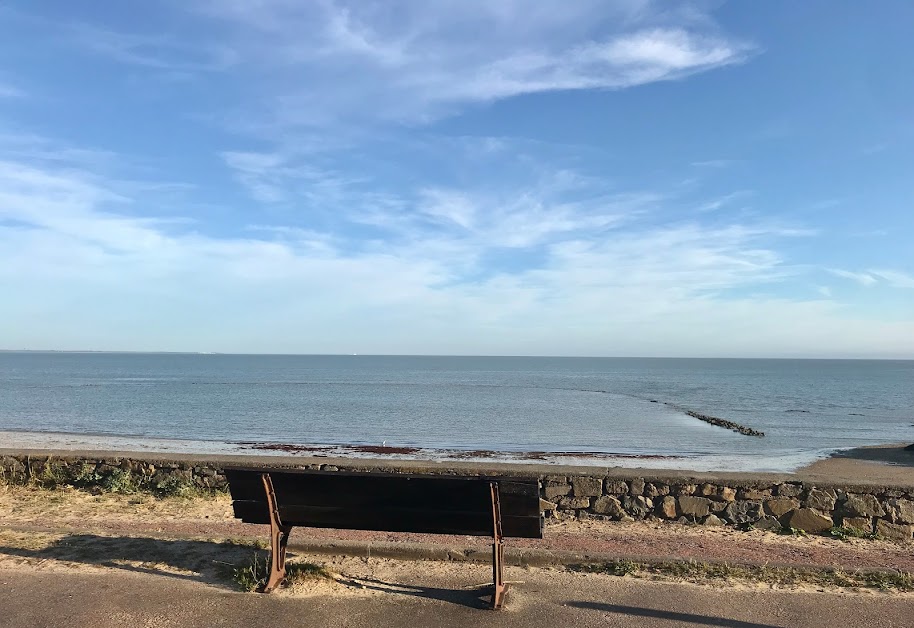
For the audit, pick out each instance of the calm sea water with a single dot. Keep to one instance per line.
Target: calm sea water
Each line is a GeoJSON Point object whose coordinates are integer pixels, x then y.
{"type": "Point", "coordinates": [504, 404]}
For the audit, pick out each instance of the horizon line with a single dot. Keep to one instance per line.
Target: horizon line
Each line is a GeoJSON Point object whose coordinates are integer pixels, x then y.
{"type": "Point", "coordinates": [446, 355]}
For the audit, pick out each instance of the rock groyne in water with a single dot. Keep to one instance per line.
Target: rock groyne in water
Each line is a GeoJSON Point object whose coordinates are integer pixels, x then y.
{"type": "Point", "coordinates": [730, 425]}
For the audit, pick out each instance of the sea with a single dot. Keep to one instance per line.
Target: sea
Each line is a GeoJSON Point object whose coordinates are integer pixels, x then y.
{"type": "Point", "coordinates": [606, 411]}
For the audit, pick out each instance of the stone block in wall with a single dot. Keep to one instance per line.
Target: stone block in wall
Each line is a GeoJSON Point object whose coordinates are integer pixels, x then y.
{"type": "Point", "coordinates": [608, 505]}
{"type": "Point", "coordinates": [667, 507]}
{"type": "Point", "coordinates": [809, 520]}
{"type": "Point", "coordinates": [555, 480]}
{"type": "Point", "coordinates": [573, 503]}
{"type": "Point", "coordinates": [718, 507]}
{"type": "Point", "coordinates": [726, 494]}
{"type": "Point", "coordinates": [864, 524]}
{"type": "Point", "coordinates": [712, 520]}
{"type": "Point", "coordinates": [753, 494]}
{"type": "Point", "coordinates": [616, 487]}
{"type": "Point", "coordinates": [789, 489]}
{"type": "Point", "coordinates": [863, 506]}
{"type": "Point", "coordinates": [707, 490]}
{"type": "Point", "coordinates": [900, 510]}
{"type": "Point", "coordinates": [636, 486]}
{"type": "Point", "coordinates": [769, 523]}
{"type": "Point", "coordinates": [587, 486]}
{"type": "Point", "coordinates": [694, 506]}
{"type": "Point", "coordinates": [743, 511]}
{"type": "Point", "coordinates": [894, 531]}
{"type": "Point", "coordinates": [638, 506]}
{"type": "Point", "coordinates": [780, 506]}
{"type": "Point", "coordinates": [556, 490]}
{"type": "Point", "coordinates": [656, 489]}
{"type": "Point", "coordinates": [820, 500]}
{"type": "Point", "coordinates": [683, 489]}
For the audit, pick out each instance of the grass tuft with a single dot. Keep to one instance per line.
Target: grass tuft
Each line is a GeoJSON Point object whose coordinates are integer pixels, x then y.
{"type": "Point", "coordinates": [252, 575]}
{"type": "Point", "coordinates": [703, 572]}
{"type": "Point", "coordinates": [846, 532]}
{"type": "Point", "coordinates": [173, 486]}
{"type": "Point", "coordinates": [297, 573]}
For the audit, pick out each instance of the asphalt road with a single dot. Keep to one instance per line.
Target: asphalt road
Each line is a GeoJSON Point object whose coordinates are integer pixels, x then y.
{"type": "Point", "coordinates": [404, 597]}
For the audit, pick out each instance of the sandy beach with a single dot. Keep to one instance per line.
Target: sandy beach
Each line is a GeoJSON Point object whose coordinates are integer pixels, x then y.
{"type": "Point", "coordinates": [888, 464]}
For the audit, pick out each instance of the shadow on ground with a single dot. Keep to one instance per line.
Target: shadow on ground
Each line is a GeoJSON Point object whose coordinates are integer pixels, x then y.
{"type": "Point", "coordinates": [206, 561]}
{"type": "Point", "coordinates": [212, 562]}
{"type": "Point", "coordinates": [635, 611]}
{"type": "Point", "coordinates": [477, 597]}
{"type": "Point", "coordinates": [900, 456]}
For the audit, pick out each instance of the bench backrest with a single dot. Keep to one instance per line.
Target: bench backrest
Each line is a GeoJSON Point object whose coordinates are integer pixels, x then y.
{"type": "Point", "coordinates": [388, 502]}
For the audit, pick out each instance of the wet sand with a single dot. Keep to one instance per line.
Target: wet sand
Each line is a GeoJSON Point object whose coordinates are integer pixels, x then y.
{"type": "Point", "coordinates": [889, 464]}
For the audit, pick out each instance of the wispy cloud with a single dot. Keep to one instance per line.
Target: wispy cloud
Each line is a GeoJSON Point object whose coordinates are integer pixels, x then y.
{"type": "Point", "coordinates": [722, 201]}
{"type": "Point", "coordinates": [157, 52]}
{"type": "Point", "coordinates": [417, 61]}
{"type": "Point", "coordinates": [714, 163]}
{"type": "Point", "coordinates": [286, 177]}
{"type": "Point", "coordinates": [864, 279]}
{"type": "Point", "coordinates": [895, 278]}
{"type": "Point", "coordinates": [892, 278]}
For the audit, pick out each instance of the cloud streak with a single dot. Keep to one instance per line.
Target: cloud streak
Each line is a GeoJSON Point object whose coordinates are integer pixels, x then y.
{"type": "Point", "coordinates": [416, 63]}
{"type": "Point", "coordinates": [864, 279]}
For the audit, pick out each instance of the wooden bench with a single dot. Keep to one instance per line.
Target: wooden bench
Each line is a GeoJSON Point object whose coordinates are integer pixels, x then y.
{"type": "Point", "coordinates": [477, 506]}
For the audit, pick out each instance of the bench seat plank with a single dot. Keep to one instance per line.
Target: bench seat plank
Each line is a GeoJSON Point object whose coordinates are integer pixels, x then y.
{"type": "Point", "coordinates": [388, 502]}
{"type": "Point", "coordinates": [389, 519]}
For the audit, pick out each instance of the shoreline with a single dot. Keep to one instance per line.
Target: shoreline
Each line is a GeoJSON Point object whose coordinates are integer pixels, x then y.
{"type": "Point", "coordinates": [890, 464]}
{"type": "Point", "coordinates": [727, 462]}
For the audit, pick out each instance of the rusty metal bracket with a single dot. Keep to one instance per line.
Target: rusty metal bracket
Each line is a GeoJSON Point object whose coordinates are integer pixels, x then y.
{"type": "Point", "coordinates": [498, 552]}
{"type": "Point", "coordinates": [279, 538]}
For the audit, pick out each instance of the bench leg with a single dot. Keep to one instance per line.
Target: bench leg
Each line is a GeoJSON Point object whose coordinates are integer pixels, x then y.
{"type": "Point", "coordinates": [498, 553]}
{"type": "Point", "coordinates": [498, 578]}
{"type": "Point", "coordinates": [279, 538]}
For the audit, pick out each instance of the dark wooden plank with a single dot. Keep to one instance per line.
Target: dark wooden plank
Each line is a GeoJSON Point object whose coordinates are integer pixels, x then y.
{"type": "Point", "coordinates": [388, 474]}
{"type": "Point", "coordinates": [389, 519]}
{"type": "Point", "coordinates": [518, 497]}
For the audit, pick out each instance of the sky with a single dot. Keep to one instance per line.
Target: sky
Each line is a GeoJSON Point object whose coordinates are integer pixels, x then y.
{"type": "Point", "coordinates": [630, 178]}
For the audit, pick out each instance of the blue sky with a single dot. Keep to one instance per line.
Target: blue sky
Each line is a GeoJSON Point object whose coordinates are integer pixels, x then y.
{"type": "Point", "coordinates": [548, 178]}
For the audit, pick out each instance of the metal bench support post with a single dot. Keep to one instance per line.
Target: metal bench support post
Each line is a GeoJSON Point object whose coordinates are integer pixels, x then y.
{"type": "Point", "coordinates": [279, 537]}
{"type": "Point", "coordinates": [498, 552]}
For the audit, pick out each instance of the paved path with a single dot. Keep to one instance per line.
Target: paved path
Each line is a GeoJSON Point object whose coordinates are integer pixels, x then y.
{"type": "Point", "coordinates": [129, 597]}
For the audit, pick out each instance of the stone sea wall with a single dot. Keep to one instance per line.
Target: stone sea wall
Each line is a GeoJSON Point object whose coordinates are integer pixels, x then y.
{"type": "Point", "coordinates": [886, 511]}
